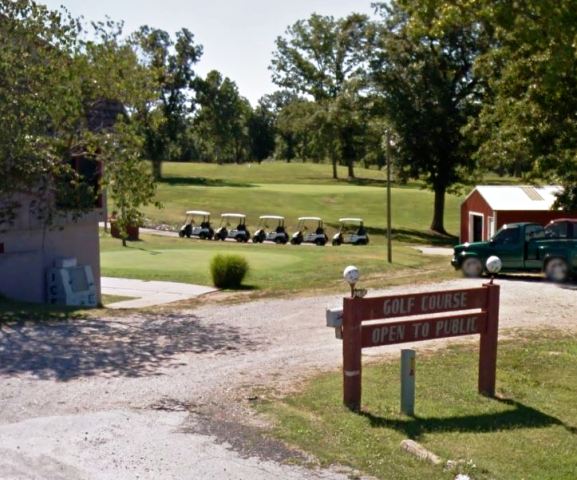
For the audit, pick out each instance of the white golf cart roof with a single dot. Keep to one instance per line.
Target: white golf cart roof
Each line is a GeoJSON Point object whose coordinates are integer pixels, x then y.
{"type": "Point", "coordinates": [198, 212]}
{"type": "Point", "coordinates": [313, 219]}
{"type": "Point", "coordinates": [351, 220]}
{"type": "Point", "coordinates": [271, 217]}
{"type": "Point", "coordinates": [233, 215]}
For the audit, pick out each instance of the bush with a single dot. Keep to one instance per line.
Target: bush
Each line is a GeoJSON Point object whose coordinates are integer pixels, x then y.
{"type": "Point", "coordinates": [228, 271]}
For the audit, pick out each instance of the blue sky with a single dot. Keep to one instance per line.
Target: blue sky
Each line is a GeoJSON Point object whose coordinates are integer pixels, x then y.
{"type": "Point", "coordinates": [238, 35]}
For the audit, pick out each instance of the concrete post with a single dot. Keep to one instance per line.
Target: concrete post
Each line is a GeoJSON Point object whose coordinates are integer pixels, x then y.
{"type": "Point", "coordinates": [408, 366]}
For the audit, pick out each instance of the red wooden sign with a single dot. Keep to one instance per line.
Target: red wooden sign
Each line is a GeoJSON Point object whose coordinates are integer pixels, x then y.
{"type": "Point", "coordinates": [417, 330]}
{"type": "Point", "coordinates": [358, 335]}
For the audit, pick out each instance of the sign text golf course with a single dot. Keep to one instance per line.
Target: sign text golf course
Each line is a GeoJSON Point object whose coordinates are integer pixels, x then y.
{"type": "Point", "coordinates": [477, 313]}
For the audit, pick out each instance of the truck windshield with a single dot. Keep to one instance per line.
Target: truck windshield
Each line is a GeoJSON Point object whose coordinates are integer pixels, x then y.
{"type": "Point", "coordinates": [507, 236]}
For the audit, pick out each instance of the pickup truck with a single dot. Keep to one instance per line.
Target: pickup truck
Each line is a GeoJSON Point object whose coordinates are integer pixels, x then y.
{"type": "Point", "coordinates": [525, 247]}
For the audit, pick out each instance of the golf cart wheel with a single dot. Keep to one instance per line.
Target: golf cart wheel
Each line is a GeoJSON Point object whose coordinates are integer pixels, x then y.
{"type": "Point", "coordinates": [256, 239]}
{"type": "Point", "coordinates": [181, 234]}
{"type": "Point", "coordinates": [319, 242]}
{"type": "Point", "coordinates": [472, 267]}
{"type": "Point", "coordinates": [557, 270]}
{"type": "Point", "coordinates": [336, 242]}
{"type": "Point", "coordinates": [296, 241]}
{"type": "Point", "coordinates": [202, 235]}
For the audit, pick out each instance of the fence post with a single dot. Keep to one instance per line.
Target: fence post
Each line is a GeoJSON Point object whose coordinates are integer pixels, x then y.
{"type": "Point", "coordinates": [352, 343]}
{"type": "Point", "coordinates": [488, 344]}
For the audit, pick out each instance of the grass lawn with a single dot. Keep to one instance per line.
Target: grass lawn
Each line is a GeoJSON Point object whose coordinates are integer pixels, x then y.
{"type": "Point", "coordinates": [291, 190]}
{"type": "Point", "coordinates": [295, 190]}
{"type": "Point", "coordinates": [529, 432]}
{"type": "Point", "coordinates": [274, 268]}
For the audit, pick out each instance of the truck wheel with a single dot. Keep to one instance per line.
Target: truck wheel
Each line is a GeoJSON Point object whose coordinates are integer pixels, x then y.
{"type": "Point", "coordinates": [472, 267]}
{"type": "Point", "coordinates": [557, 270]}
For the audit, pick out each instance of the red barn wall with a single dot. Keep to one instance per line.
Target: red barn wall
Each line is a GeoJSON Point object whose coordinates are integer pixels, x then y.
{"type": "Point", "coordinates": [474, 203]}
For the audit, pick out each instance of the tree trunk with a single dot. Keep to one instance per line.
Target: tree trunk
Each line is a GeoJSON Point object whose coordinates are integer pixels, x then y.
{"type": "Point", "coordinates": [350, 165]}
{"type": "Point", "coordinates": [347, 150]}
{"type": "Point", "coordinates": [157, 169]}
{"type": "Point", "coordinates": [335, 173]}
{"type": "Point", "coordinates": [439, 212]}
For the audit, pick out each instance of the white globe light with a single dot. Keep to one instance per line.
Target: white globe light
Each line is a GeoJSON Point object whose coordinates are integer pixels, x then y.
{"type": "Point", "coordinates": [351, 274]}
{"type": "Point", "coordinates": [494, 264]}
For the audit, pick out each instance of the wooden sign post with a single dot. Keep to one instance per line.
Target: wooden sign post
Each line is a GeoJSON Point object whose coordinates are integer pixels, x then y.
{"type": "Point", "coordinates": [356, 335]}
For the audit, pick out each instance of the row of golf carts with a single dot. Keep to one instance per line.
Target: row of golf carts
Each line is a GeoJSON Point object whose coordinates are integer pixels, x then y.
{"type": "Point", "coordinates": [272, 228]}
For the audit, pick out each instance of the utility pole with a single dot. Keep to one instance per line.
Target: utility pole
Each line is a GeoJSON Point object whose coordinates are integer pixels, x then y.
{"type": "Point", "coordinates": [389, 241]}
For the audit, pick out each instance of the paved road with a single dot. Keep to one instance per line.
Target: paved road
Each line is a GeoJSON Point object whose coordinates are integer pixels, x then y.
{"type": "Point", "coordinates": [167, 396]}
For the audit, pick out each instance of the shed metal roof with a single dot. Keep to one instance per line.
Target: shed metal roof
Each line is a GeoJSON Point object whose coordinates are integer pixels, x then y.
{"type": "Point", "coordinates": [519, 197]}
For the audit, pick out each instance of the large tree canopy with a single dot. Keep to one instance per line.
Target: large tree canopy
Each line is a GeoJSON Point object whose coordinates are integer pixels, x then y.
{"type": "Point", "coordinates": [319, 57]}
{"type": "Point", "coordinates": [222, 121]}
{"type": "Point", "coordinates": [170, 62]}
{"type": "Point", "coordinates": [60, 96]}
{"type": "Point", "coordinates": [528, 122]}
{"type": "Point", "coordinates": [429, 91]}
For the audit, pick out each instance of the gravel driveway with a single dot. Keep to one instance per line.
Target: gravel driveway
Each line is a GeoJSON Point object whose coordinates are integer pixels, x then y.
{"type": "Point", "coordinates": [167, 396]}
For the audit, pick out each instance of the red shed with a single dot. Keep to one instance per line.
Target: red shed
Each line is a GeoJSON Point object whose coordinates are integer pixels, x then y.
{"type": "Point", "coordinates": [488, 207]}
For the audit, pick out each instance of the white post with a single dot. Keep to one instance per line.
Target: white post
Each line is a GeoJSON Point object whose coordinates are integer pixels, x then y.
{"type": "Point", "coordinates": [408, 366]}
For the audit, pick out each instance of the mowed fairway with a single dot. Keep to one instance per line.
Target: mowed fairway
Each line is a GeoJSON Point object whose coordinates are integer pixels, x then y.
{"type": "Point", "coordinates": [291, 190]}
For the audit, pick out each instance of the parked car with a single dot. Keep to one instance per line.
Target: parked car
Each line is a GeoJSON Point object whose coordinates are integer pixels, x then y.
{"type": "Point", "coordinates": [232, 225]}
{"type": "Point", "coordinates": [271, 228]}
{"type": "Point", "coordinates": [523, 247]}
{"type": "Point", "coordinates": [197, 224]}
{"type": "Point", "coordinates": [351, 231]}
{"type": "Point", "coordinates": [310, 230]}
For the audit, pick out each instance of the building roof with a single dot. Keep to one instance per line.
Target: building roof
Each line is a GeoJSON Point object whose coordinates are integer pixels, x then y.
{"type": "Point", "coordinates": [519, 197]}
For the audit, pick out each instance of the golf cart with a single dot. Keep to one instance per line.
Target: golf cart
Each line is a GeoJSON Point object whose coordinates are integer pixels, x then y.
{"type": "Point", "coordinates": [197, 224]}
{"type": "Point", "coordinates": [227, 230]}
{"type": "Point", "coordinates": [351, 231]}
{"type": "Point", "coordinates": [310, 230]}
{"type": "Point", "coordinates": [278, 235]}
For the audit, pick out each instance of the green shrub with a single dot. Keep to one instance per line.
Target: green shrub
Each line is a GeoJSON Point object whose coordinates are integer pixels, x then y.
{"type": "Point", "coordinates": [228, 271]}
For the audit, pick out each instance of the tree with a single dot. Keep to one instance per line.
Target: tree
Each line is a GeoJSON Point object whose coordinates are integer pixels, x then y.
{"type": "Point", "coordinates": [171, 65]}
{"type": "Point", "coordinates": [317, 58]}
{"type": "Point", "coordinates": [40, 105]}
{"type": "Point", "coordinates": [261, 131]}
{"type": "Point", "coordinates": [127, 177]}
{"type": "Point", "coordinates": [60, 98]}
{"type": "Point", "coordinates": [115, 75]}
{"type": "Point", "coordinates": [429, 92]}
{"type": "Point", "coordinates": [303, 131]}
{"type": "Point", "coordinates": [527, 125]}
{"type": "Point", "coordinates": [222, 120]}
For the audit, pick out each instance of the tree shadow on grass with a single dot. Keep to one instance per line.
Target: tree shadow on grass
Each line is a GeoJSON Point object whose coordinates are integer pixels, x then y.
{"type": "Point", "coordinates": [204, 182]}
{"type": "Point", "coordinates": [425, 237]}
{"type": "Point", "coordinates": [63, 346]}
{"type": "Point", "coordinates": [520, 416]}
